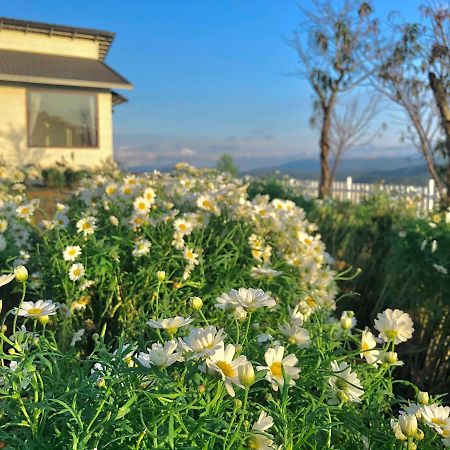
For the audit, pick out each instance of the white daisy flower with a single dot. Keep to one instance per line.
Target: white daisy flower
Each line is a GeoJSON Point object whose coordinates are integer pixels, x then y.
{"type": "Point", "coordinates": [86, 225]}
{"type": "Point", "coordinates": [436, 416]}
{"type": "Point", "coordinates": [221, 361]}
{"type": "Point", "coordinates": [171, 324]}
{"type": "Point", "coordinates": [5, 279]}
{"type": "Point", "coordinates": [183, 227]}
{"type": "Point", "coordinates": [160, 355]}
{"type": "Point", "coordinates": [263, 272]}
{"type": "Point", "coordinates": [202, 342]}
{"type": "Point", "coordinates": [296, 335]}
{"type": "Point", "coordinates": [76, 271]}
{"type": "Point", "coordinates": [142, 205]}
{"type": "Point", "coordinates": [275, 366]}
{"type": "Point", "coordinates": [249, 299]}
{"type": "Point", "coordinates": [37, 309]}
{"type": "Point", "coordinates": [259, 439]}
{"type": "Point", "coordinates": [344, 383]}
{"type": "Point", "coordinates": [367, 347]}
{"type": "Point", "coordinates": [71, 252]}
{"type": "Point", "coordinates": [394, 325]}
{"type": "Point", "coordinates": [142, 247]}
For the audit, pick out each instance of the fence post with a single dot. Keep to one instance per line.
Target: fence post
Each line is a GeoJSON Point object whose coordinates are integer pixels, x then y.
{"type": "Point", "coordinates": [430, 194]}
{"type": "Point", "coordinates": [349, 188]}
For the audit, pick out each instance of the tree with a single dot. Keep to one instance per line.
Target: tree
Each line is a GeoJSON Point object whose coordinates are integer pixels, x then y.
{"type": "Point", "coordinates": [226, 164]}
{"type": "Point", "coordinates": [330, 44]}
{"type": "Point", "coordinates": [352, 126]}
{"type": "Point", "coordinates": [414, 72]}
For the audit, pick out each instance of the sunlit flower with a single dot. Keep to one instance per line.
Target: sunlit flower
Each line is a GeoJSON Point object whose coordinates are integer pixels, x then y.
{"type": "Point", "coordinates": [71, 253]}
{"type": "Point", "coordinates": [190, 256]}
{"type": "Point", "coordinates": [367, 347]}
{"type": "Point", "coordinates": [436, 416]}
{"type": "Point", "coordinates": [183, 226]}
{"type": "Point", "coordinates": [296, 335]}
{"type": "Point", "coordinates": [202, 342]}
{"type": "Point", "coordinates": [259, 439]}
{"type": "Point", "coordinates": [171, 325]}
{"type": "Point", "coordinates": [344, 383]}
{"type": "Point", "coordinates": [221, 361]}
{"type": "Point", "coordinates": [37, 309]}
{"type": "Point", "coordinates": [160, 355]}
{"type": "Point", "coordinates": [25, 211]}
{"type": "Point", "coordinates": [142, 247]}
{"type": "Point", "coordinates": [263, 272]}
{"type": "Point", "coordinates": [276, 364]}
{"type": "Point", "coordinates": [86, 225]}
{"type": "Point", "coordinates": [394, 325]}
{"type": "Point", "coordinates": [76, 271]}
{"type": "Point", "coordinates": [249, 299]}
{"type": "Point", "coordinates": [5, 279]}
{"type": "Point", "coordinates": [142, 205]}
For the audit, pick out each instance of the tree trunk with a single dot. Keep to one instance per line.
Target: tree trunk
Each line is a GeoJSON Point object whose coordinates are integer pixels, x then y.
{"type": "Point", "coordinates": [325, 175]}
{"type": "Point", "coordinates": [441, 99]}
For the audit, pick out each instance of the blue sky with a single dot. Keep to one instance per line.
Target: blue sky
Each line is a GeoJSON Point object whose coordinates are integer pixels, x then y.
{"type": "Point", "coordinates": [210, 76]}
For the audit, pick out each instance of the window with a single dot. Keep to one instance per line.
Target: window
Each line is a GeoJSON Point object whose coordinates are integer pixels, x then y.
{"type": "Point", "coordinates": [62, 119]}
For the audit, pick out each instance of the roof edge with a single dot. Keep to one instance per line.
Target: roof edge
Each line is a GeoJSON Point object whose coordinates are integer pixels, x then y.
{"type": "Point", "coordinates": [63, 82]}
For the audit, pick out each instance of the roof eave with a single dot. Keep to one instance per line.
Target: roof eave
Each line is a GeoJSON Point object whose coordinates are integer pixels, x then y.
{"type": "Point", "coordinates": [64, 82]}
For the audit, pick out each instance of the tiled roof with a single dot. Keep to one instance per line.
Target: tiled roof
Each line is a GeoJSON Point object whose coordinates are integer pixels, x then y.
{"type": "Point", "coordinates": [58, 70]}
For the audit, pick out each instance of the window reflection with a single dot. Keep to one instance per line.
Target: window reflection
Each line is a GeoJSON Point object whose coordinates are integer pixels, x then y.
{"type": "Point", "coordinates": [60, 119]}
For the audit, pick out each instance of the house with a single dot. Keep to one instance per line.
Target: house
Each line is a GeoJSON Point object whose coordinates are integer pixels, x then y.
{"type": "Point", "coordinates": [56, 94]}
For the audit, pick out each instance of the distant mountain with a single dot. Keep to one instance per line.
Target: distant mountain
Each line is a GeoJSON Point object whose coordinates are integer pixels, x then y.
{"type": "Point", "coordinates": [389, 170]}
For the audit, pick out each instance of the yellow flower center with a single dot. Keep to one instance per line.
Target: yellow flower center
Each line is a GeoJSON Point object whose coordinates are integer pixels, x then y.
{"type": "Point", "coordinates": [391, 334]}
{"type": "Point", "coordinates": [226, 368]}
{"type": "Point", "coordinates": [141, 205]}
{"type": "Point", "coordinates": [182, 227]}
{"type": "Point", "coordinates": [206, 204]}
{"type": "Point", "coordinates": [72, 252]}
{"type": "Point", "coordinates": [310, 301]}
{"type": "Point", "coordinates": [438, 421]}
{"type": "Point", "coordinates": [172, 330]}
{"type": "Point", "coordinates": [277, 369]}
{"type": "Point", "coordinates": [35, 311]}
{"type": "Point", "coordinates": [364, 346]}
{"type": "Point", "coordinates": [308, 241]}
{"type": "Point", "coordinates": [86, 226]}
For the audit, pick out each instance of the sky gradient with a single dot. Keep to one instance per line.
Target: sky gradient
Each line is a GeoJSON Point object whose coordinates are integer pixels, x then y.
{"type": "Point", "coordinates": [210, 76]}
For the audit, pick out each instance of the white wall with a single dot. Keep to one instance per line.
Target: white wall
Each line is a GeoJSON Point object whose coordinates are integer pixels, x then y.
{"type": "Point", "coordinates": [13, 133]}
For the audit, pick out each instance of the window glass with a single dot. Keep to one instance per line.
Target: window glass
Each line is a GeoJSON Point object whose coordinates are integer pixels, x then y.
{"type": "Point", "coordinates": [60, 119]}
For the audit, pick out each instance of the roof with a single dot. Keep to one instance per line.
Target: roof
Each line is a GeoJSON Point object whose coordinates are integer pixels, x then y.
{"type": "Point", "coordinates": [40, 68]}
{"type": "Point", "coordinates": [104, 38]}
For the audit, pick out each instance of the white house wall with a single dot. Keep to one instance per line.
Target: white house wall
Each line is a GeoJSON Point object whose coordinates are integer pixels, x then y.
{"type": "Point", "coordinates": [20, 41]}
{"type": "Point", "coordinates": [13, 134]}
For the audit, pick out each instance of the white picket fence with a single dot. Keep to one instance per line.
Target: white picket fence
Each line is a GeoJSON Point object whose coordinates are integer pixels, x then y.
{"type": "Point", "coordinates": [425, 197]}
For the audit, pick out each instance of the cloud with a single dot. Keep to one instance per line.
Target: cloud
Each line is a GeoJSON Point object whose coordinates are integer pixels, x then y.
{"type": "Point", "coordinates": [186, 151]}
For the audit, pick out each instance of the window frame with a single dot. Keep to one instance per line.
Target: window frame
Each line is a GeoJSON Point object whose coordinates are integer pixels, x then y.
{"type": "Point", "coordinates": [63, 91]}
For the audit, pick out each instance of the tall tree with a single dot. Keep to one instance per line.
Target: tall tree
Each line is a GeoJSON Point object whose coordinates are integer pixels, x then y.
{"type": "Point", "coordinates": [352, 126]}
{"type": "Point", "coordinates": [413, 70]}
{"type": "Point", "coordinates": [330, 44]}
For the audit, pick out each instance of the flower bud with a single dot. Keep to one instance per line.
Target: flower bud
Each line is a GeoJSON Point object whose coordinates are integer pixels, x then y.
{"type": "Point", "coordinates": [238, 403]}
{"type": "Point", "coordinates": [419, 435]}
{"type": "Point", "coordinates": [408, 424]}
{"type": "Point", "coordinates": [423, 398]}
{"type": "Point", "coordinates": [201, 389]}
{"type": "Point", "coordinates": [240, 313]}
{"type": "Point", "coordinates": [196, 303]}
{"type": "Point", "coordinates": [21, 274]}
{"type": "Point", "coordinates": [101, 382]}
{"type": "Point", "coordinates": [161, 275]}
{"type": "Point", "coordinates": [246, 374]}
{"type": "Point", "coordinates": [347, 321]}
{"type": "Point", "coordinates": [44, 319]}
{"type": "Point", "coordinates": [391, 357]}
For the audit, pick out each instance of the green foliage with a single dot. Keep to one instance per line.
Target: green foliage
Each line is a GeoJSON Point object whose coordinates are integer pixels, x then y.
{"type": "Point", "coordinates": [226, 164]}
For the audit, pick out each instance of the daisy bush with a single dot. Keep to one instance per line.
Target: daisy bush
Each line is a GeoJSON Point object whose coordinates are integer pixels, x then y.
{"type": "Point", "coordinates": [171, 311]}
